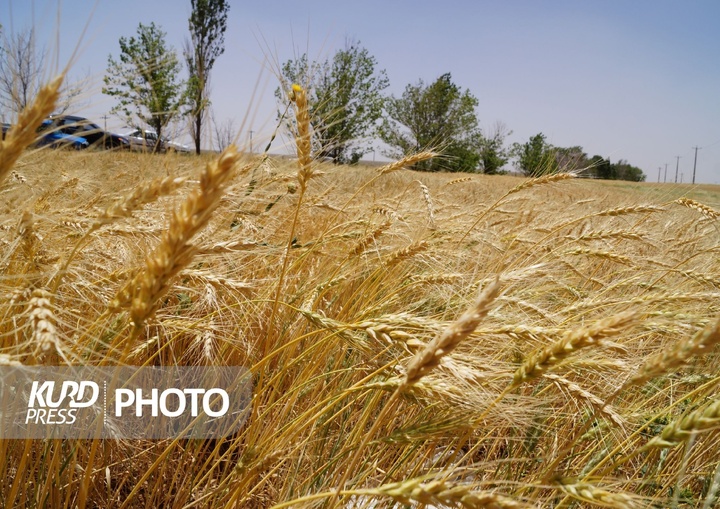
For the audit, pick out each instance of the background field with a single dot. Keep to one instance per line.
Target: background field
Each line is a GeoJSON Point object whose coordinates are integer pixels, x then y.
{"type": "Point", "coordinates": [597, 342]}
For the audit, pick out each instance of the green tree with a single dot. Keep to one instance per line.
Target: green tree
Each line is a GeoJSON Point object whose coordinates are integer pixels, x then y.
{"type": "Point", "coordinates": [493, 154]}
{"type": "Point", "coordinates": [438, 116]}
{"type": "Point", "coordinates": [345, 99]}
{"type": "Point", "coordinates": [145, 80]}
{"type": "Point", "coordinates": [626, 171]}
{"type": "Point", "coordinates": [535, 157]}
{"type": "Point", "coordinates": [602, 168]}
{"type": "Point", "coordinates": [207, 23]}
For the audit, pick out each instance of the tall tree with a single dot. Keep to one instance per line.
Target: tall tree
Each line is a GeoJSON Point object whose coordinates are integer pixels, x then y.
{"type": "Point", "coordinates": [345, 99]}
{"type": "Point", "coordinates": [626, 171]}
{"type": "Point", "coordinates": [602, 168]}
{"type": "Point", "coordinates": [493, 154]}
{"type": "Point", "coordinates": [207, 22]}
{"type": "Point", "coordinates": [535, 157]}
{"type": "Point", "coordinates": [22, 68]}
{"type": "Point", "coordinates": [145, 80]}
{"type": "Point", "coordinates": [440, 116]}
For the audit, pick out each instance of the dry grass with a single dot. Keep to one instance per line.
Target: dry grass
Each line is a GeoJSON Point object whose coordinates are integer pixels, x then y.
{"type": "Point", "coordinates": [586, 377]}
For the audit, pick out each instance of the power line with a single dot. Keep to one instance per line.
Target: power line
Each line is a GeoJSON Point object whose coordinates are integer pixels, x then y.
{"type": "Point", "coordinates": [708, 145]}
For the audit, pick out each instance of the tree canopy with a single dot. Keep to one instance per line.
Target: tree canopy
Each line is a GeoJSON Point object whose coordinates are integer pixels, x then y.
{"type": "Point", "coordinates": [345, 100]}
{"type": "Point", "coordinates": [493, 153]}
{"type": "Point", "coordinates": [207, 24]}
{"type": "Point", "coordinates": [440, 116]}
{"type": "Point", "coordinates": [22, 68]}
{"type": "Point", "coordinates": [535, 157]}
{"type": "Point", "coordinates": [145, 79]}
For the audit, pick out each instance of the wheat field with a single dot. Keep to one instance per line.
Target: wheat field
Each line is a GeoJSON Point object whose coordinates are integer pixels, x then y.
{"type": "Point", "coordinates": [414, 339]}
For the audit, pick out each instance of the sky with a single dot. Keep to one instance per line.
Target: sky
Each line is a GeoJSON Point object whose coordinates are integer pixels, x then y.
{"type": "Point", "coordinates": [637, 80]}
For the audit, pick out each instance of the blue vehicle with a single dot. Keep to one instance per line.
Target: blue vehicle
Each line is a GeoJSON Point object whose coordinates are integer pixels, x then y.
{"type": "Point", "coordinates": [52, 137]}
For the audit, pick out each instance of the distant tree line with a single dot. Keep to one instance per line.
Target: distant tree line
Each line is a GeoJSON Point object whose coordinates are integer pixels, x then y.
{"type": "Point", "coordinates": [349, 110]}
{"type": "Point", "coordinates": [536, 157]}
{"type": "Point", "coordinates": [348, 107]}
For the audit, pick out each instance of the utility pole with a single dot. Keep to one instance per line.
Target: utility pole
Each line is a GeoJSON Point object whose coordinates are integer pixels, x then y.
{"type": "Point", "coordinates": [251, 147]}
{"type": "Point", "coordinates": [695, 163]}
{"type": "Point", "coordinates": [105, 117]}
{"type": "Point", "coordinates": [665, 180]}
{"type": "Point", "coordinates": [659, 168]}
{"type": "Point", "coordinates": [677, 167]}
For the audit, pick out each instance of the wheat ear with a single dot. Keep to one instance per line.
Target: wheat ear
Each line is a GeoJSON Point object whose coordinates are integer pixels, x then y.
{"type": "Point", "coordinates": [441, 492]}
{"type": "Point", "coordinates": [302, 141]}
{"type": "Point", "coordinates": [42, 320]}
{"type": "Point", "coordinates": [408, 252]}
{"type": "Point", "coordinates": [682, 429]}
{"type": "Point", "coordinates": [459, 181]}
{"type": "Point", "coordinates": [539, 362]}
{"type": "Point", "coordinates": [597, 496]}
{"type": "Point", "coordinates": [428, 203]}
{"type": "Point", "coordinates": [703, 209]}
{"type": "Point", "coordinates": [701, 343]}
{"type": "Point", "coordinates": [406, 161]}
{"type": "Point", "coordinates": [430, 356]}
{"type": "Point", "coordinates": [23, 133]}
{"type": "Point", "coordinates": [369, 239]}
{"type": "Point", "coordinates": [145, 193]}
{"type": "Point", "coordinates": [539, 181]}
{"type": "Point", "coordinates": [598, 405]}
{"type": "Point", "coordinates": [174, 252]}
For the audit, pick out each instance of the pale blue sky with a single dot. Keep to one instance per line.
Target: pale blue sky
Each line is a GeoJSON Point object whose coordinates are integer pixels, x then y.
{"type": "Point", "coordinates": [637, 80]}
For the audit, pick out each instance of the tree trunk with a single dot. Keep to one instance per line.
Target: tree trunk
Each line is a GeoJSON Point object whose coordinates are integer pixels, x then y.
{"type": "Point", "coordinates": [198, 131]}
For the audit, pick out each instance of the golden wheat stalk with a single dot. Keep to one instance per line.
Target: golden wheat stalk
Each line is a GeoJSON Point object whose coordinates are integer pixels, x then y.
{"type": "Point", "coordinates": [598, 405]}
{"type": "Point", "coordinates": [635, 209]}
{"type": "Point", "coordinates": [430, 357]}
{"type": "Point", "coordinates": [701, 343]}
{"type": "Point", "coordinates": [539, 362]}
{"type": "Point", "coordinates": [539, 181]}
{"type": "Point", "coordinates": [302, 140]}
{"type": "Point", "coordinates": [607, 234]}
{"type": "Point", "coordinates": [446, 493]}
{"type": "Point", "coordinates": [428, 203]}
{"type": "Point", "coordinates": [459, 181]}
{"type": "Point", "coordinates": [42, 321]}
{"type": "Point", "coordinates": [410, 160]}
{"type": "Point", "coordinates": [361, 246]}
{"type": "Point", "coordinates": [703, 209]}
{"type": "Point", "coordinates": [597, 496]}
{"type": "Point", "coordinates": [30, 238]}
{"type": "Point", "coordinates": [174, 252]}
{"type": "Point", "coordinates": [682, 429]}
{"type": "Point", "coordinates": [607, 255]}
{"type": "Point", "coordinates": [408, 252]}
{"type": "Point", "coordinates": [24, 131]}
{"type": "Point", "coordinates": [142, 195]}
